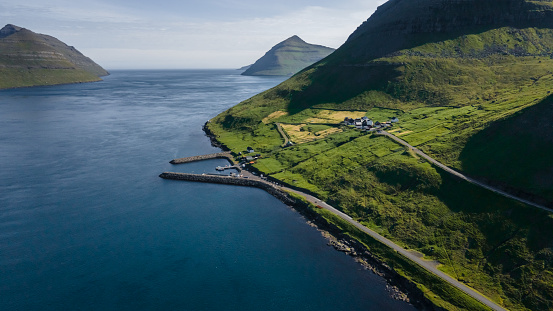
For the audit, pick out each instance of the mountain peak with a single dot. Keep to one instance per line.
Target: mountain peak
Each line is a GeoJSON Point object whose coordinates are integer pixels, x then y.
{"type": "Point", "coordinates": [294, 38]}
{"type": "Point", "coordinates": [288, 57]}
{"type": "Point", "coordinates": [9, 30]}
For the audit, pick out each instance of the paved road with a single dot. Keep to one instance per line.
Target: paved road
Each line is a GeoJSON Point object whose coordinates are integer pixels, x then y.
{"type": "Point", "coordinates": [426, 264]}
{"type": "Point", "coordinates": [462, 176]}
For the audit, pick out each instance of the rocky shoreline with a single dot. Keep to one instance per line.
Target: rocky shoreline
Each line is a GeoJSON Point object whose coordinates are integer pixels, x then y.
{"type": "Point", "coordinates": [397, 286]}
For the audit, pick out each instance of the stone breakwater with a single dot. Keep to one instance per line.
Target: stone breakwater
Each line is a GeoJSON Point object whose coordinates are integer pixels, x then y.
{"type": "Point", "coordinates": [398, 287]}
{"type": "Point", "coordinates": [221, 155]}
{"type": "Point", "coordinates": [227, 180]}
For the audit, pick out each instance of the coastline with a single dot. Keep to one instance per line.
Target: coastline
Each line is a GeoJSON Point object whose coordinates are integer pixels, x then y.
{"type": "Point", "coordinates": [54, 84]}
{"type": "Point", "coordinates": [398, 287]}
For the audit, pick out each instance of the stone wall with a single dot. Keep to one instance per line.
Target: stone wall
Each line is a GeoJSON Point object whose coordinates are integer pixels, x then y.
{"type": "Point", "coordinates": [220, 155]}
{"type": "Point", "coordinates": [359, 251]}
{"type": "Point", "coordinates": [227, 180]}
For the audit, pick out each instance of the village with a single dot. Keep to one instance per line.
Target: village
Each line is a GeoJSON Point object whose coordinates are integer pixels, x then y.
{"type": "Point", "coordinates": [365, 123]}
{"type": "Point", "coordinates": [249, 156]}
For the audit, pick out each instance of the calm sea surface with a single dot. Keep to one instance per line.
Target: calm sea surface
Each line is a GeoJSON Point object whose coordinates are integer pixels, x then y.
{"type": "Point", "coordinates": [86, 224]}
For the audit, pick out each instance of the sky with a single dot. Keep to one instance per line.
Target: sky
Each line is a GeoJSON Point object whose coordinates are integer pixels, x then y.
{"type": "Point", "coordinates": [186, 34]}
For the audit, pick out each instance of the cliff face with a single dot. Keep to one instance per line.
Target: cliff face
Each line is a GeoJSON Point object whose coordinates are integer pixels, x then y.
{"type": "Point", "coordinates": [400, 24]}
{"type": "Point", "coordinates": [447, 16]}
{"type": "Point", "coordinates": [30, 59]}
{"type": "Point", "coordinates": [287, 58]}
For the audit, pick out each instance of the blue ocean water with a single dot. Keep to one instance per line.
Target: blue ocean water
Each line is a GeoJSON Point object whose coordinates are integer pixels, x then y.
{"type": "Point", "coordinates": [86, 224]}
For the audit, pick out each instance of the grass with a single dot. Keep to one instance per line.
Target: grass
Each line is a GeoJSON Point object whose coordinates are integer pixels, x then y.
{"type": "Point", "coordinates": [376, 181]}
{"type": "Point", "coordinates": [459, 103]}
{"type": "Point", "coordinates": [297, 180]}
{"type": "Point", "coordinates": [528, 146]}
{"type": "Point", "coordinates": [435, 289]}
{"type": "Point", "coordinates": [11, 78]}
{"type": "Point", "coordinates": [28, 59]}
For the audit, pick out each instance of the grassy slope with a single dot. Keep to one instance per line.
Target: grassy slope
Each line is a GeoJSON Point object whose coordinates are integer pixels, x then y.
{"type": "Point", "coordinates": [28, 59]}
{"type": "Point", "coordinates": [523, 143]}
{"type": "Point", "coordinates": [12, 78]}
{"type": "Point", "coordinates": [452, 97]}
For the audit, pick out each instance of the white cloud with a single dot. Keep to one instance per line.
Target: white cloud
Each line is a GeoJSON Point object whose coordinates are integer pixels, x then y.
{"type": "Point", "coordinates": [67, 11]}
{"type": "Point", "coordinates": [118, 37]}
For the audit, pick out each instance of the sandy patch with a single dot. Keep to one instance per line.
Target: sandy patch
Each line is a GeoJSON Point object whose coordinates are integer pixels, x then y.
{"type": "Point", "coordinates": [274, 115]}
{"type": "Point", "coordinates": [298, 136]}
{"type": "Point", "coordinates": [331, 116]}
{"type": "Point", "coordinates": [325, 133]}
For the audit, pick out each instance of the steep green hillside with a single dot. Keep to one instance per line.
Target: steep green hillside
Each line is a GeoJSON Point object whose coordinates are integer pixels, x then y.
{"type": "Point", "coordinates": [470, 83]}
{"type": "Point", "coordinates": [516, 152]}
{"type": "Point", "coordinates": [287, 58]}
{"type": "Point", "coordinates": [30, 59]}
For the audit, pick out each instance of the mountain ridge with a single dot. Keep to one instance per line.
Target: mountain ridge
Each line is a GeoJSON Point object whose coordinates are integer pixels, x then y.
{"type": "Point", "coordinates": [31, 59]}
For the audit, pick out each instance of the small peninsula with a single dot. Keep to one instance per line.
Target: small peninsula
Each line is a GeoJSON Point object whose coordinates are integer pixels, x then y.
{"type": "Point", "coordinates": [430, 125]}
{"type": "Point", "coordinates": [287, 58]}
{"type": "Point", "coordinates": [32, 59]}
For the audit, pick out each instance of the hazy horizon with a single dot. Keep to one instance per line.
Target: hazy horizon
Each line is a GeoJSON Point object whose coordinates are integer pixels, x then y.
{"type": "Point", "coordinates": [171, 34]}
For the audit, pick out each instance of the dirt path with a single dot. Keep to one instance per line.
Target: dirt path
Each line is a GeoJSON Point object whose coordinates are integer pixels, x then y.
{"type": "Point", "coordinates": [281, 131]}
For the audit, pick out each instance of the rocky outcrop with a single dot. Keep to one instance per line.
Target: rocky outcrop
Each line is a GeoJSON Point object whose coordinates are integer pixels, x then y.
{"type": "Point", "coordinates": [8, 30]}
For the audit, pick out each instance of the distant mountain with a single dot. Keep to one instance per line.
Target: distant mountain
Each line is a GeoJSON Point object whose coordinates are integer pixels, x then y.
{"type": "Point", "coordinates": [31, 59]}
{"type": "Point", "coordinates": [287, 58]}
{"type": "Point", "coordinates": [244, 67]}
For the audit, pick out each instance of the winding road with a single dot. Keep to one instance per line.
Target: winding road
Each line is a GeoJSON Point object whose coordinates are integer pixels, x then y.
{"type": "Point", "coordinates": [429, 265]}
{"type": "Point", "coordinates": [426, 264]}
{"type": "Point", "coordinates": [460, 175]}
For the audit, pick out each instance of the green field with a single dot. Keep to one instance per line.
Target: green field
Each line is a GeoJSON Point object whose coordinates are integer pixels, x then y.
{"type": "Point", "coordinates": [477, 102]}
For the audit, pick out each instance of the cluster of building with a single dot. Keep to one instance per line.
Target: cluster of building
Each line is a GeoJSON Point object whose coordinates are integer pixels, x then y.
{"type": "Point", "coordinates": [249, 159]}
{"type": "Point", "coordinates": [365, 123]}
